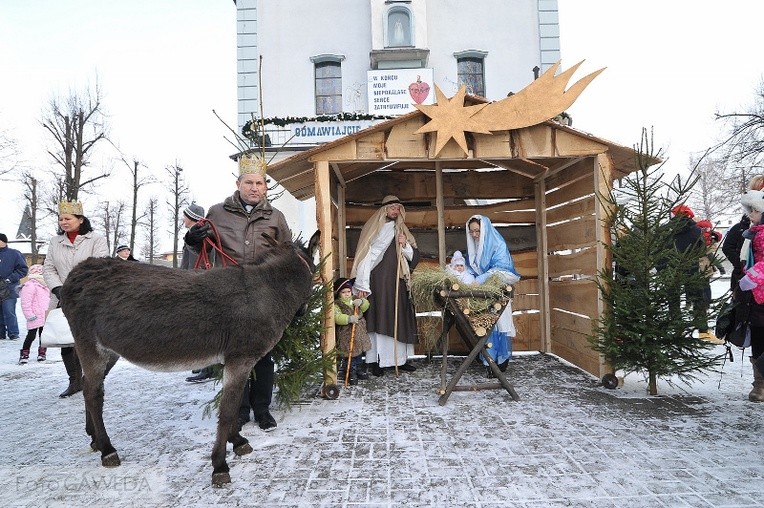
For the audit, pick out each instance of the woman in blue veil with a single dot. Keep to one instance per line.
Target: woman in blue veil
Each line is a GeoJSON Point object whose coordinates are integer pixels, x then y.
{"type": "Point", "coordinates": [488, 255]}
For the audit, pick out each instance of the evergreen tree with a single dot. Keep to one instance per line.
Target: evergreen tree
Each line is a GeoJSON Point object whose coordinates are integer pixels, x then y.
{"type": "Point", "coordinates": [644, 327]}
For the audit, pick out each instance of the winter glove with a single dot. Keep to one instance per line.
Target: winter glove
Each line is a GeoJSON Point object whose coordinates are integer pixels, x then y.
{"type": "Point", "coordinates": [746, 283]}
{"type": "Point", "coordinates": [352, 320]}
{"type": "Point", "coordinates": [32, 318]}
{"type": "Point", "coordinates": [357, 302]}
{"type": "Point", "coordinates": [196, 234]}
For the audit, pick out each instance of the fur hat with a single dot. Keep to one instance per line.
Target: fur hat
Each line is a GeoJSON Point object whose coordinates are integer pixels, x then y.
{"type": "Point", "coordinates": [194, 212]}
{"type": "Point", "coordinates": [342, 283]}
{"type": "Point", "coordinates": [458, 259]}
{"type": "Point", "coordinates": [70, 207]}
{"type": "Point", "coordinates": [3, 238]}
{"type": "Point", "coordinates": [122, 247]}
{"type": "Point", "coordinates": [683, 210]}
{"type": "Point", "coordinates": [753, 200]}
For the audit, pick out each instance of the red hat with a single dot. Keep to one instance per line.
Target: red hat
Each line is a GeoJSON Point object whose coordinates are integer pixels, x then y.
{"type": "Point", "coordinates": [683, 210]}
{"type": "Point", "coordinates": [705, 223]}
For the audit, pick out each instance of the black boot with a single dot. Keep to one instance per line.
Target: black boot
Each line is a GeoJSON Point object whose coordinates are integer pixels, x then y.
{"type": "Point", "coordinates": [72, 364]}
{"type": "Point", "coordinates": [377, 370]}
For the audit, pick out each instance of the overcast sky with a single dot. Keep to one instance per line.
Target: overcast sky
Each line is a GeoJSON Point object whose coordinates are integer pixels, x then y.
{"type": "Point", "coordinates": [165, 65]}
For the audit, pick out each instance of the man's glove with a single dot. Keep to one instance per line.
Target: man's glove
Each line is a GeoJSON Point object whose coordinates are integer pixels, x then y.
{"type": "Point", "coordinates": [480, 279]}
{"type": "Point", "coordinates": [56, 292]}
{"type": "Point", "coordinates": [196, 234]}
{"type": "Point", "coordinates": [746, 283]}
{"type": "Point", "coordinates": [357, 302]}
{"type": "Point", "coordinates": [352, 320]}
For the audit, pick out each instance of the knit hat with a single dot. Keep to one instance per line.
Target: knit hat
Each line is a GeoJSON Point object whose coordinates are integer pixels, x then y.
{"type": "Point", "coordinates": [458, 259]}
{"type": "Point", "coordinates": [705, 223]}
{"type": "Point", "coordinates": [683, 210]}
{"type": "Point", "coordinates": [35, 270]}
{"type": "Point", "coordinates": [753, 200]}
{"type": "Point", "coordinates": [342, 283]}
{"type": "Point", "coordinates": [3, 238]}
{"type": "Point", "coordinates": [122, 247]}
{"type": "Point", "coordinates": [194, 212]}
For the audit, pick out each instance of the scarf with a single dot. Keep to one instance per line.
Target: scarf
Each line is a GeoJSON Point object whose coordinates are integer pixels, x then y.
{"type": "Point", "coordinates": [371, 230]}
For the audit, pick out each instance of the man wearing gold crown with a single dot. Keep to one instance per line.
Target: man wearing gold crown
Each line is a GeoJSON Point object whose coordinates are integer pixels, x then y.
{"type": "Point", "coordinates": [76, 241]}
{"type": "Point", "coordinates": [240, 221]}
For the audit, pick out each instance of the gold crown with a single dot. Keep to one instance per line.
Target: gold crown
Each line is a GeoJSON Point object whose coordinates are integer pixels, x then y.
{"type": "Point", "coordinates": [70, 207]}
{"type": "Point", "coordinates": [251, 164]}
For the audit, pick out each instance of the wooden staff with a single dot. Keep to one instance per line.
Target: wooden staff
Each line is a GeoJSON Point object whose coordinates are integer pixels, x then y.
{"type": "Point", "coordinates": [350, 349]}
{"type": "Point", "coordinates": [397, 287]}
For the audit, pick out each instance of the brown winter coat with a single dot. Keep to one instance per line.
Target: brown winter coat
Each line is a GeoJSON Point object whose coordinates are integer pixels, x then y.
{"type": "Point", "coordinates": [230, 219]}
{"type": "Point", "coordinates": [361, 340]}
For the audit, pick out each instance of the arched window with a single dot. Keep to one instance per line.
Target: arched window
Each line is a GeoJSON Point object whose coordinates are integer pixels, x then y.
{"type": "Point", "coordinates": [328, 76]}
{"type": "Point", "coordinates": [398, 28]}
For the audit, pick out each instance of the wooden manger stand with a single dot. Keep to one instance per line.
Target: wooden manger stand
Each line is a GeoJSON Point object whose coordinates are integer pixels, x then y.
{"type": "Point", "coordinates": [475, 339]}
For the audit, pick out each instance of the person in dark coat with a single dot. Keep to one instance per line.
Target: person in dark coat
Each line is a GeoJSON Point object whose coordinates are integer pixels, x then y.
{"type": "Point", "coordinates": [386, 254]}
{"type": "Point", "coordinates": [241, 220]}
{"type": "Point", "coordinates": [13, 268]}
{"type": "Point", "coordinates": [124, 252]}
{"type": "Point", "coordinates": [191, 215]}
{"type": "Point", "coordinates": [688, 236]}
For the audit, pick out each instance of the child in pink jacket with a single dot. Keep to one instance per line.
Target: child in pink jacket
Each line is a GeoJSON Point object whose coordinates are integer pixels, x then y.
{"type": "Point", "coordinates": [35, 298]}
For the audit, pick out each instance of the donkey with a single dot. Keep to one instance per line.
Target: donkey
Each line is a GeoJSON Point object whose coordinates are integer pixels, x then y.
{"type": "Point", "coordinates": [167, 319]}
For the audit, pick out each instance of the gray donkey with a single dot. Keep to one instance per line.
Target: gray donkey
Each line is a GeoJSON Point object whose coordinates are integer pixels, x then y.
{"type": "Point", "coordinates": [167, 319]}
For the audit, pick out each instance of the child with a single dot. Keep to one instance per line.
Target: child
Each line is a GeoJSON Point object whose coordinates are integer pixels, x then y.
{"type": "Point", "coordinates": [35, 297]}
{"type": "Point", "coordinates": [458, 269]}
{"type": "Point", "coordinates": [348, 313]}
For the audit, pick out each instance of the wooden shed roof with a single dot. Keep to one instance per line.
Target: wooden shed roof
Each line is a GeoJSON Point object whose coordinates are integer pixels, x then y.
{"type": "Point", "coordinates": [536, 151]}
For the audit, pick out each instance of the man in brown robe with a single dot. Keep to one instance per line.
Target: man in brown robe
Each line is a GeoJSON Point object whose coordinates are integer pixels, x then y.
{"type": "Point", "coordinates": [387, 248]}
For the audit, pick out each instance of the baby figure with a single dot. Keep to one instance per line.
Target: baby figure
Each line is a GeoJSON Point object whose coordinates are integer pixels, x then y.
{"type": "Point", "coordinates": [458, 268]}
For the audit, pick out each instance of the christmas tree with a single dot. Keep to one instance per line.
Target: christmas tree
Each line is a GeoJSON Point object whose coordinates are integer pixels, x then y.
{"type": "Point", "coordinates": [653, 293]}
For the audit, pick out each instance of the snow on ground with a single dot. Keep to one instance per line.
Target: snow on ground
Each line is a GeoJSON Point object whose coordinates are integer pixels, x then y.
{"type": "Point", "coordinates": [387, 442]}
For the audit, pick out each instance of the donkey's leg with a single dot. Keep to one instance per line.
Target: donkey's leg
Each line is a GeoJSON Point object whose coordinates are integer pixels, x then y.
{"type": "Point", "coordinates": [235, 373]}
{"type": "Point", "coordinates": [95, 363]}
{"type": "Point", "coordinates": [89, 427]}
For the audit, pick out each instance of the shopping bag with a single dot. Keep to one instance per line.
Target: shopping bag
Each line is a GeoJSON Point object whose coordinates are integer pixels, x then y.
{"type": "Point", "coordinates": [56, 332]}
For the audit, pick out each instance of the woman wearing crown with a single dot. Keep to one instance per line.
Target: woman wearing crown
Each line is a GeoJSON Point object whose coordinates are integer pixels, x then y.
{"type": "Point", "coordinates": [76, 241]}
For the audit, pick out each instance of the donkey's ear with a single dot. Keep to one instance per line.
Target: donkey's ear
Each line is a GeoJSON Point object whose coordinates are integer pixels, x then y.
{"type": "Point", "coordinates": [313, 243]}
{"type": "Point", "coordinates": [270, 239]}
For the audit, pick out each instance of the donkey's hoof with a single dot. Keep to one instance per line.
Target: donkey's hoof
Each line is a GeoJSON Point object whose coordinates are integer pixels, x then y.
{"type": "Point", "coordinates": [110, 460]}
{"type": "Point", "coordinates": [242, 449]}
{"type": "Point", "coordinates": [220, 479]}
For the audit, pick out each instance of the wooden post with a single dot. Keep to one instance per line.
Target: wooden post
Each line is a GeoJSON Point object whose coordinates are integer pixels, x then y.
{"type": "Point", "coordinates": [324, 221]}
{"type": "Point", "coordinates": [441, 213]}
{"type": "Point", "coordinates": [603, 182]}
{"type": "Point", "coordinates": [545, 316]}
{"type": "Point", "coordinates": [342, 243]}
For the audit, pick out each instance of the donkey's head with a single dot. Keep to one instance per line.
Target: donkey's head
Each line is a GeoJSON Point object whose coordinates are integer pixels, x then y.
{"type": "Point", "coordinates": [306, 254]}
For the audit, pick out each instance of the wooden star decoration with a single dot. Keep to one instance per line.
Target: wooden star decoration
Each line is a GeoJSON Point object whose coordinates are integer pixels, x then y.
{"type": "Point", "coordinates": [450, 119]}
{"type": "Point", "coordinates": [545, 98]}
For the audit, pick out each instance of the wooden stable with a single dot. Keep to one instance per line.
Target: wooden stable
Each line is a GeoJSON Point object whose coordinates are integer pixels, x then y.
{"type": "Point", "coordinates": [542, 180]}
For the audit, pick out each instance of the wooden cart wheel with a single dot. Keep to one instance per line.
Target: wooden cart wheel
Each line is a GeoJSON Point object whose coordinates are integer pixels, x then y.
{"type": "Point", "coordinates": [331, 392]}
{"type": "Point", "coordinates": [610, 381]}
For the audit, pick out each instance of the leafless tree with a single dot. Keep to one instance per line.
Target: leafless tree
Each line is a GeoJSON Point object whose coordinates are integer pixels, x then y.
{"type": "Point", "coordinates": [29, 220]}
{"type": "Point", "coordinates": [152, 229]}
{"type": "Point", "coordinates": [179, 199]}
{"type": "Point", "coordinates": [138, 182]}
{"type": "Point", "coordinates": [715, 191]}
{"type": "Point", "coordinates": [742, 148]}
{"type": "Point", "coordinates": [76, 124]}
{"type": "Point", "coordinates": [9, 153]}
{"type": "Point", "coordinates": [112, 221]}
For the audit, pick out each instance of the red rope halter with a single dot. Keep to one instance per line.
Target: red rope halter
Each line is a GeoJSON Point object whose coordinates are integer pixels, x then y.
{"type": "Point", "coordinates": [204, 259]}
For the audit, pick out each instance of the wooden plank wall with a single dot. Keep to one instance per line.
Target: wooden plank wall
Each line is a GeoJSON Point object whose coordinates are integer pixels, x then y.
{"type": "Point", "coordinates": [573, 264]}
